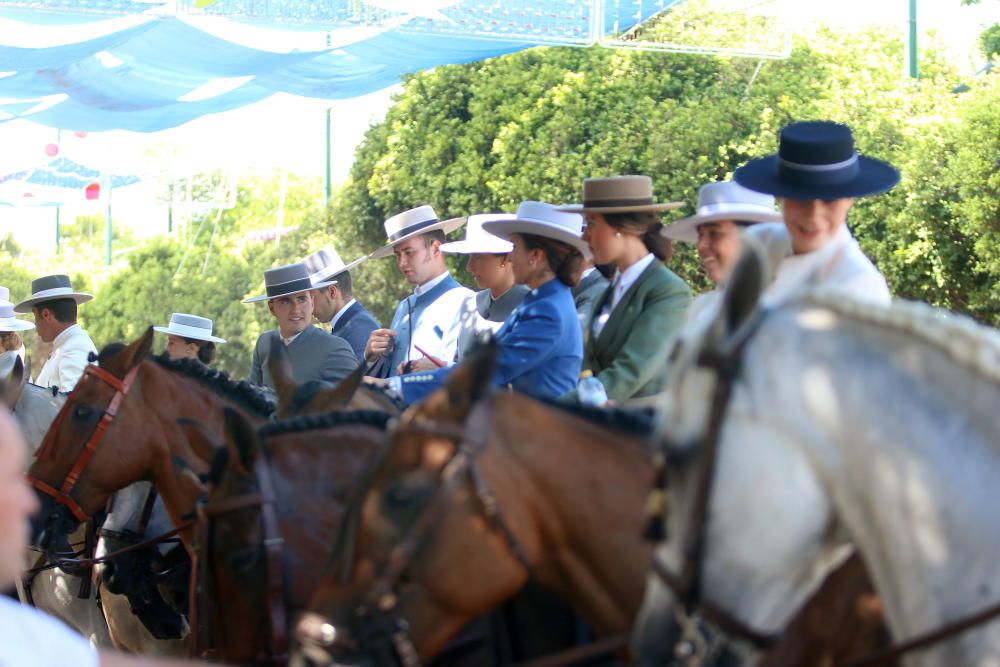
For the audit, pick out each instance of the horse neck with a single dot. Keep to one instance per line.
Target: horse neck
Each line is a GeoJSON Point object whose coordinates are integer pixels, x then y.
{"type": "Point", "coordinates": [35, 411]}
{"type": "Point", "coordinates": [907, 443]}
{"type": "Point", "coordinates": [585, 487]}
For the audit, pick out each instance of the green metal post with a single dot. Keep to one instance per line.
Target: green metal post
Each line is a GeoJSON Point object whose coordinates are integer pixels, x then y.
{"type": "Point", "coordinates": [911, 42]}
{"type": "Point", "coordinates": [58, 208]}
{"type": "Point", "coordinates": [329, 185]}
{"type": "Point", "coordinates": [107, 232]}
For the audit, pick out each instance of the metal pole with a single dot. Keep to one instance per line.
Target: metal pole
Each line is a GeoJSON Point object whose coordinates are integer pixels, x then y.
{"type": "Point", "coordinates": [911, 42]}
{"type": "Point", "coordinates": [107, 231]}
{"type": "Point", "coordinates": [329, 185]}
{"type": "Point", "coordinates": [58, 208]}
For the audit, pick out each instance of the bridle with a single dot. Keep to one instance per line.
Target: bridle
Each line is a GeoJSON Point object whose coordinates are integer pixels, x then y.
{"type": "Point", "coordinates": [687, 586]}
{"type": "Point", "coordinates": [62, 495]}
{"type": "Point", "coordinates": [265, 499]}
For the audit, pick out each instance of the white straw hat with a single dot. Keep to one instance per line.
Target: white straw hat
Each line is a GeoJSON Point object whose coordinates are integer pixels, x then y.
{"type": "Point", "coordinates": [326, 263]}
{"type": "Point", "coordinates": [478, 240]}
{"type": "Point", "coordinates": [190, 326]}
{"type": "Point", "coordinates": [726, 200]}
{"type": "Point", "coordinates": [414, 222]}
{"type": "Point", "coordinates": [541, 219]}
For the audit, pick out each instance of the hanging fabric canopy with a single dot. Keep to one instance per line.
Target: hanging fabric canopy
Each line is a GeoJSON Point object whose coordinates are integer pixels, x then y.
{"type": "Point", "coordinates": [96, 65]}
{"type": "Point", "coordinates": [60, 181]}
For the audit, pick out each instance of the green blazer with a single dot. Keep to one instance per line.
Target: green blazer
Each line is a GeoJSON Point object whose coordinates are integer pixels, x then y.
{"type": "Point", "coordinates": [630, 355]}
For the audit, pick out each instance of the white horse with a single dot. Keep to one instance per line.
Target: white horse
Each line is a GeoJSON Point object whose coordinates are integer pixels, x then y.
{"type": "Point", "coordinates": [127, 631]}
{"type": "Point", "coordinates": [846, 424]}
{"type": "Point", "coordinates": [52, 591]}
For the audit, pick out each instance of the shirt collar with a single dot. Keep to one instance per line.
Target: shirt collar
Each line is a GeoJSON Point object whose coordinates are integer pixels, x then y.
{"type": "Point", "coordinates": [340, 312]}
{"type": "Point", "coordinates": [288, 341]}
{"type": "Point", "coordinates": [587, 271]}
{"type": "Point", "coordinates": [429, 285]}
{"type": "Point", "coordinates": [63, 335]}
{"type": "Point", "coordinates": [625, 278]}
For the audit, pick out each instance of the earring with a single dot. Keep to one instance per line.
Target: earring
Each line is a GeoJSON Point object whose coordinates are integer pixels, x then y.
{"type": "Point", "coordinates": [617, 234]}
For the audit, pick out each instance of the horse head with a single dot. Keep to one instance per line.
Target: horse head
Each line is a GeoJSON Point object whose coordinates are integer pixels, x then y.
{"type": "Point", "coordinates": [73, 475]}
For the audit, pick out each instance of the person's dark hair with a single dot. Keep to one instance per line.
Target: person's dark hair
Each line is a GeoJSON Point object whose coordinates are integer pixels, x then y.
{"type": "Point", "coordinates": [563, 259]}
{"type": "Point", "coordinates": [64, 310]}
{"type": "Point", "coordinates": [432, 236]}
{"type": "Point", "coordinates": [647, 227]}
{"type": "Point", "coordinates": [206, 350]}
{"type": "Point", "coordinates": [345, 284]}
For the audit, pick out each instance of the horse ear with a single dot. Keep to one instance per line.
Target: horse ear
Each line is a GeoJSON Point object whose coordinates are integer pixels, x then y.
{"type": "Point", "coordinates": [242, 441]}
{"type": "Point", "coordinates": [14, 384]}
{"type": "Point", "coordinates": [344, 392]}
{"type": "Point", "coordinates": [280, 368]}
{"type": "Point", "coordinates": [741, 295]}
{"type": "Point", "coordinates": [471, 380]}
{"type": "Point", "coordinates": [133, 354]}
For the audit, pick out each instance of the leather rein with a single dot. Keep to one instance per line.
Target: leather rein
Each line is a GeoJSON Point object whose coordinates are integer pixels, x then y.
{"type": "Point", "coordinates": [686, 586]}
{"type": "Point", "coordinates": [62, 495]}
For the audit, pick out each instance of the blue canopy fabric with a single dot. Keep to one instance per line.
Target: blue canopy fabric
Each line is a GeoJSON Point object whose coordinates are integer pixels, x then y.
{"type": "Point", "coordinates": [151, 70]}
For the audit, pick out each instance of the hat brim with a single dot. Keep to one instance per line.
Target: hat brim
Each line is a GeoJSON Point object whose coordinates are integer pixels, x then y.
{"type": "Point", "coordinates": [181, 334]}
{"type": "Point", "coordinates": [465, 247]}
{"type": "Point", "coordinates": [642, 208]}
{"type": "Point", "coordinates": [448, 226]}
{"type": "Point", "coordinates": [686, 229]}
{"type": "Point", "coordinates": [15, 325]}
{"type": "Point", "coordinates": [26, 305]}
{"type": "Point", "coordinates": [321, 276]}
{"type": "Point", "coordinates": [873, 177]}
{"type": "Point", "coordinates": [504, 229]}
{"type": "Point", "coordinates": [265, 297]}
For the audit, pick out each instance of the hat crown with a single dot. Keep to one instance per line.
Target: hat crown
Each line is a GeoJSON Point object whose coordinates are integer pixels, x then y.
{"type": "Point", "coordinates": [288, 273]}
{"type": "Point", "coordinates": [410, 221]}
{"type": "Point", "coordinates": [6, 310]}
{"type": "Point", "coordinates": [45, 283]}
{"type": "Point", "coordinates": [474, 231]}
{"type": "Point", "coordinates": [196, 321]}
{"type": "Point", "coordinates": [729, 195]}
{"type": "Point", "coordinates": [816, 143]}
{"type": "Point", "coordinates": [550, 216]}
{"type": "Point", "coordinates": [4, 293]}
{"type": "Point", "coordinates": [326, 261]}
{"type": "Point", "coordinates": [618, 190]}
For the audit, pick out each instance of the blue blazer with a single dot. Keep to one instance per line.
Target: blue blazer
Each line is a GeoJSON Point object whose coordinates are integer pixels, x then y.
{"type": "Point", "coordinates": [540, 348]}
{"type": "Point", "coordinates": [355, 326]}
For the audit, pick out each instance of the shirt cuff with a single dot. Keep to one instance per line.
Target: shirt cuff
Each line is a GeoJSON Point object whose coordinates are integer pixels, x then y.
{"type": "Point", "coordinates": [395, 387]}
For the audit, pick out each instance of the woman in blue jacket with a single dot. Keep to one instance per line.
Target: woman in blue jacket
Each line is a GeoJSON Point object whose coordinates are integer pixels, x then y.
{"type": "Point", "coordinates": [540, 346]}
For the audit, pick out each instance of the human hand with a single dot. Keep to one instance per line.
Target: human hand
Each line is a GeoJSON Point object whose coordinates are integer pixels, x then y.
{"type": "Point", "coordinates": [380, 343]}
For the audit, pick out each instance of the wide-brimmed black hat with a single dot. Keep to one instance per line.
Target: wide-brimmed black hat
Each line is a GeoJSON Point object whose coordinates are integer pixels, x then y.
{"type": "Point", "coordinates": [817, 160]}
{"type": "Point", "coordinates": [287, 280]}
{"type": "Point", "coordinates": [50, 288]}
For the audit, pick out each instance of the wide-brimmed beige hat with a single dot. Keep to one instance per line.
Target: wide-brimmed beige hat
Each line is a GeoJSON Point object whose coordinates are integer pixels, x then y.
{"type": "Point", "coordinates": [49, 288]}
{"type": "Point", "coordinates": [414, 222]}
{"type": "Point", "coordinates": [8, 320]}
{"type": "Point", "coordinates": [726, 200]}
{"type": "Point", "coordinates": [190, 326]}
{"type": "Point", "coordinates": [324, 264]}
{"type": "Point", "coordinates": [541, 219]}
{"type": "Point", "coordinates": [620, 194]}
{"type": "Point", "coordinates": [477, 240]}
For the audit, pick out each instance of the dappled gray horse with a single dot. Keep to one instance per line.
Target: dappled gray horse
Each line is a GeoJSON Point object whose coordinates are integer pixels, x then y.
{"type": "Point", "coordinates": [845, 424]}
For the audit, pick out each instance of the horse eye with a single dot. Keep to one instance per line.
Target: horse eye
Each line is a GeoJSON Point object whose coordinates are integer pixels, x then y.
{"type": "Point", "coordinates": [400, 495]}
{"type": "Point", "coordinates": [82, 412]}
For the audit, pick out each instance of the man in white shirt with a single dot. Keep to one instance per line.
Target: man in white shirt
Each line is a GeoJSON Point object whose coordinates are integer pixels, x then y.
{"type": "Point", "coordinates": [425, 324]}
{"type": "Point", "coordinates": [816, 175]}
{"type": "Point", "coordinates": [29, 637]}
{"type": "Point", "coordinates": [54, 305]}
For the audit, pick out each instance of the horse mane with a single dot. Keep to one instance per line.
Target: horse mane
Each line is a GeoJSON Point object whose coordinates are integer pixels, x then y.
{"type": "Point", "coordinates": [970, 344]}
{"type": "Point", "coordinates": [108, 351]}
{"type": "Point", "coordinates": [241, 392]}
{"type": "Point", "coordinates": [386, 394]}
{"type": "Point", "coordinates": [641, 422]}
{"type": "Point", "coordinates": [329, 420]}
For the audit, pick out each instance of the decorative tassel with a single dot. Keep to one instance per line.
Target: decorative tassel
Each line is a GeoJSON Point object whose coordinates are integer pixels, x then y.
{"type": "Point", "coordinates": [657, 504]}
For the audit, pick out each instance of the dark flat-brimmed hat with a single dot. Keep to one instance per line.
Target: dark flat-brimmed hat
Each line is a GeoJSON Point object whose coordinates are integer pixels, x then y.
{"type": "Point", "coordinates": [8, 320]}
{"type": "Point", "coordinates": [287, 280]}
{"type": "Point", "coordinates": [478, 240]}
{"type": "Point", "coordinates": [190, 326]}
{"type": "Point", "coordinates": [620, 194]}
{"type": "Point", "coordinates": [817, 160]}
{"type": "Point", "coordinates": [49, 288]}
{"type": "Point", "coordinates": [723, 201]}
{"type": "Point", "coordinates": [541, 219]}
{"type": "Point", "coordinates": [414, 222]}
{"type": "Point", "coordinates": [325, 264]}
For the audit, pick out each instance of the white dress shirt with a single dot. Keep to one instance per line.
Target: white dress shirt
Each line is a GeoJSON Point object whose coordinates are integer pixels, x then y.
{"type": "Point", "coordinates": [340, 312]}
{"type": "Point", "coordinates": [70, 352]}
{"type": "Point", "coordinates": [621, 284]}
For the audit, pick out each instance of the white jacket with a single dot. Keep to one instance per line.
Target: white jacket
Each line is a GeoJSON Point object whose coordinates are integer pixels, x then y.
{"type": "Point", "coordinates": [65, 365]}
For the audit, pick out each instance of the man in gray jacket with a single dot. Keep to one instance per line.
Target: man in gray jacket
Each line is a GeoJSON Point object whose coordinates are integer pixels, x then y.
{"type": "Point", "coordinates": [313, 353]}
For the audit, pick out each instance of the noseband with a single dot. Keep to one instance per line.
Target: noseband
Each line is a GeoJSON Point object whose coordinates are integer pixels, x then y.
{"type": "Point", "coordinates": [377, 610]}
{"type": "Point", "coordinates": [62, 494]}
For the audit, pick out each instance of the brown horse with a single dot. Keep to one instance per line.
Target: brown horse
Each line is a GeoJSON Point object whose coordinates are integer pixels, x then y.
{"type": "Point", "coordinates": [477, 492]}
{"type": "Point", "coordinates": [310, 463]}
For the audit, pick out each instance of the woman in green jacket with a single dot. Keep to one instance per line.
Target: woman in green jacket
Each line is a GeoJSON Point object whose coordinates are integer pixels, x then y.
{"type": "Point", "coordinates": [632, 326]}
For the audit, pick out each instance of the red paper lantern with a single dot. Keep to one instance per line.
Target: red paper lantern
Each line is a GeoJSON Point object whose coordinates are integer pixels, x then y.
{"type": "Point", "coordinates": [27, 195]}
{"type": "Point", "coordinates": [52, 150]}
{"type": "Point", "coordinates": [93, 191]}
{"type": "Point", "coordinates": [80, 134]}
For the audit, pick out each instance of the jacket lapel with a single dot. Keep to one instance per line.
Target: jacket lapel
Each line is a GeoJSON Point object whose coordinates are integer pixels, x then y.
{"type": "Point", "coordinates": [624, 314]}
